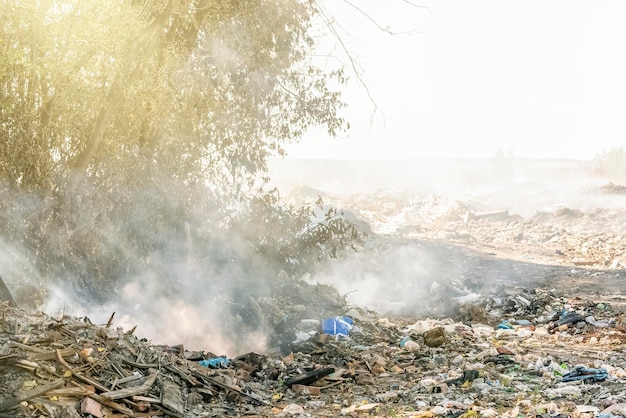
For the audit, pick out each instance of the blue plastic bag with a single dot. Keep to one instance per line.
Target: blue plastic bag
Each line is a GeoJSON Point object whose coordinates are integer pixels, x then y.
{"type": "Point", "coordinates": [215, 363]}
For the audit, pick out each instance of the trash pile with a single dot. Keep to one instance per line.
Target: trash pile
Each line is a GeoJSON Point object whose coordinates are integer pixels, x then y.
{"type": "Point", "coordinates": [556, 234]}
{"type": "Point", "coordinates": [540, 338]}
{"type": "Point", "coordinates": [513, 352]}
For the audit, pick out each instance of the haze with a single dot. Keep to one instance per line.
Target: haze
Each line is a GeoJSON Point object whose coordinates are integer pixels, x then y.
{"type": "Point", "coordinates": [473, 79]}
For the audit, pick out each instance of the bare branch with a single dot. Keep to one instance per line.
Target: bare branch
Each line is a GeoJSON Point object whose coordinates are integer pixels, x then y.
{"type": "Point", "coordinates": [353, 64]}
{"type": "Point", "coordinates": [378, 25]}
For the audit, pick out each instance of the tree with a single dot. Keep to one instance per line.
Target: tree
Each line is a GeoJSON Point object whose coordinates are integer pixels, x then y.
{"type": "Point", "coordinates": [123, 121]}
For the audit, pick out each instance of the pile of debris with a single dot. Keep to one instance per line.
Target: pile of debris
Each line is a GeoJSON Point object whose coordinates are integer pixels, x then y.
{"type": "Point", "coordinates": [516, 351]}
{"type": "Point", "coordinates": [556, 234]}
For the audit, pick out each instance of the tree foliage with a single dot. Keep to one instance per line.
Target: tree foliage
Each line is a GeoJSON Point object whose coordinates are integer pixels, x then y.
{"type": "Point", "coordinates": [123, 121]}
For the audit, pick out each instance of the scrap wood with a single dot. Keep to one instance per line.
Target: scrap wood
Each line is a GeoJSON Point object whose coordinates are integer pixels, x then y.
{"type": "Point", "coordinates": [51, 355]}
{"type": "Point", "coordinates": [187, 378]}
{"type": "Point", "coordinates": [75, 392]}
{"type": "Point", "coordinates": [168, 412]}
{"type": "Point", "coordinates": [27, 347]}
{"type": "Point", "coordinates": [63, 362]}
{"type": "Point", "coordinates": [8, 356]}
{"type": "Point", "coordinates": [128, 346]}
{"type": "Point", "coordinates": [330, 385]}
{"type": "Point", "coordinates": [110, 321]}
{"type": "Point", "coordinates": [25, 364]}
{"type": "Point", "coordinates": [33, 393]}
{"type": "Point", "coordinates": [223, 386]}
{"type": "Point", "coordinates": [172, 397]}
{"type": "Point", "coordinates": [123, 373]}
{"type": "Point", "coordinates": [126, 380]}
{"type": "Point", "coordinates": [205, 390]}
{"type": "Point", "coordinates": [113, 405]}
{"type": "Point", "coordinates": [91, 382]}
{"type": "Point", "coordinates": [135, 390]}
{"type": "Point", "coordinates": [148, 399]}
{"type": "Point", "coordinates": [140, 365]}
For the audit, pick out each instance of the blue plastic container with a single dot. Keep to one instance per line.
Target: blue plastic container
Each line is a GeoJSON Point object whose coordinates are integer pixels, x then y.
{"type": "Point", "coordinates": [339, 325]}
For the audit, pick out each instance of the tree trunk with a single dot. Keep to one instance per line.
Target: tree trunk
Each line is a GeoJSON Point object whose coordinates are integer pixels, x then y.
{"type": "Point", "coordinates": [5, 294]}
{"type": "Point", "coordinates": [141, 47]}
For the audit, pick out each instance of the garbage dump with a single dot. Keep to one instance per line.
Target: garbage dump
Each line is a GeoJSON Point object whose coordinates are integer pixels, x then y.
{"type": "Point", "coordinates": [534, 352]}
{"type": "Point", "coordinates": [542, 338]}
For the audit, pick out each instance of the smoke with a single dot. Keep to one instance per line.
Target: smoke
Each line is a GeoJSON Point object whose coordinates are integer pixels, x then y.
{"type": "Point", "coordinates": [398, 276]}
{"type": "Point", "coordinates": [172, 304]}
{"type": "Point", "coordinates": [173, 272]}
{"type": "Point", "coordinates": [402, 275]}
{"type": "Point", "coordinates": [184, 280]}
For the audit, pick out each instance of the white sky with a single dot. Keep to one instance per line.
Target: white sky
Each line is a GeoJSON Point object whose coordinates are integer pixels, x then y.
{"type": "Point", "coordinates": [532, 79]}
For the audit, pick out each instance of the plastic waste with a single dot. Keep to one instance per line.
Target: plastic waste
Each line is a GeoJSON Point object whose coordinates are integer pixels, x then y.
{"type": "Point", "coordinates": [504, 325]}
{"type": "Point", "coordinates": [408, 344]}
{"type": "Point", "coordinates": [569, 318]}
{"type": "Point", "coordinates": [593, 321]}
{"type": "Point", "coordinates": [339, 325]}
{"type": "Point", "coordinates": [306, 329]}
{"type": "Point", "coordinates": [404, 341]}
{"type": "Point", "coordinates": [585, 373]}
{"type": "Point", "coordinates": [215, 363]}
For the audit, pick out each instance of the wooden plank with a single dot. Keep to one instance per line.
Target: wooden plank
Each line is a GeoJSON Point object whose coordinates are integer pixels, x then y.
{"type": "Point", "coordinates": [51, 355]}
{"type": "Point", "coordinates": [26, 347]}
{"type": "Point", "coordinates": [135, 390]}
{"type": "Point", "coordinates": [113, 405]}
{"type": "Point", "coordinates": [148, 399]}
{"type": "Point", "coordinates": [172, 397]}
{"type": "Point", "coordinates": [90, 381]}
{"type": "Point", "coordinates": [33, 393]}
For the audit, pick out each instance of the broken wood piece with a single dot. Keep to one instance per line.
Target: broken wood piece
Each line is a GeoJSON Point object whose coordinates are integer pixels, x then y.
{"type": "Point", "coordinates": [63, 362]}
{"type": "Point", "coordinates": [75, 392]}
{"type": "Point", "coordinates": [148, 399]}
{"type": "Point", "coordinates": [51, 355]}
{"type": "Point", "coordinates": [330, 385]}
{"type": "Point", "coordinates": [172, 397]}
{"type": "Point", "coordinates": [223, 386]}
{"type": "Point", "coordinates": [113, 405]}
{"type": "Point", "coordinates": [110, 321]}
{"type": "Point", "coordinates": [205, 390]}
{"type": "Point", "coordinates": [140, 365]}
{"type": "Point", "coordinates": [91, 382]}
{"type": "Point", "coordinates": [135, 390]}
{"type": "Point", "coordinates": [186, 377]}
{"type": "Point", "coordinates": [126, 380]}
{"type": "Point", "coordinates": [123, 373]}
{"type": "Point", "coordinates": [33, 393]}
{"type": "Point", "coordinates": [109, 333]}
{"type": "Point", "coordinates": [128, 346]}
{"type": "Point", "coordinates": [25, 364]}
{"type": "Point", "coordinates": [27, 347]}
